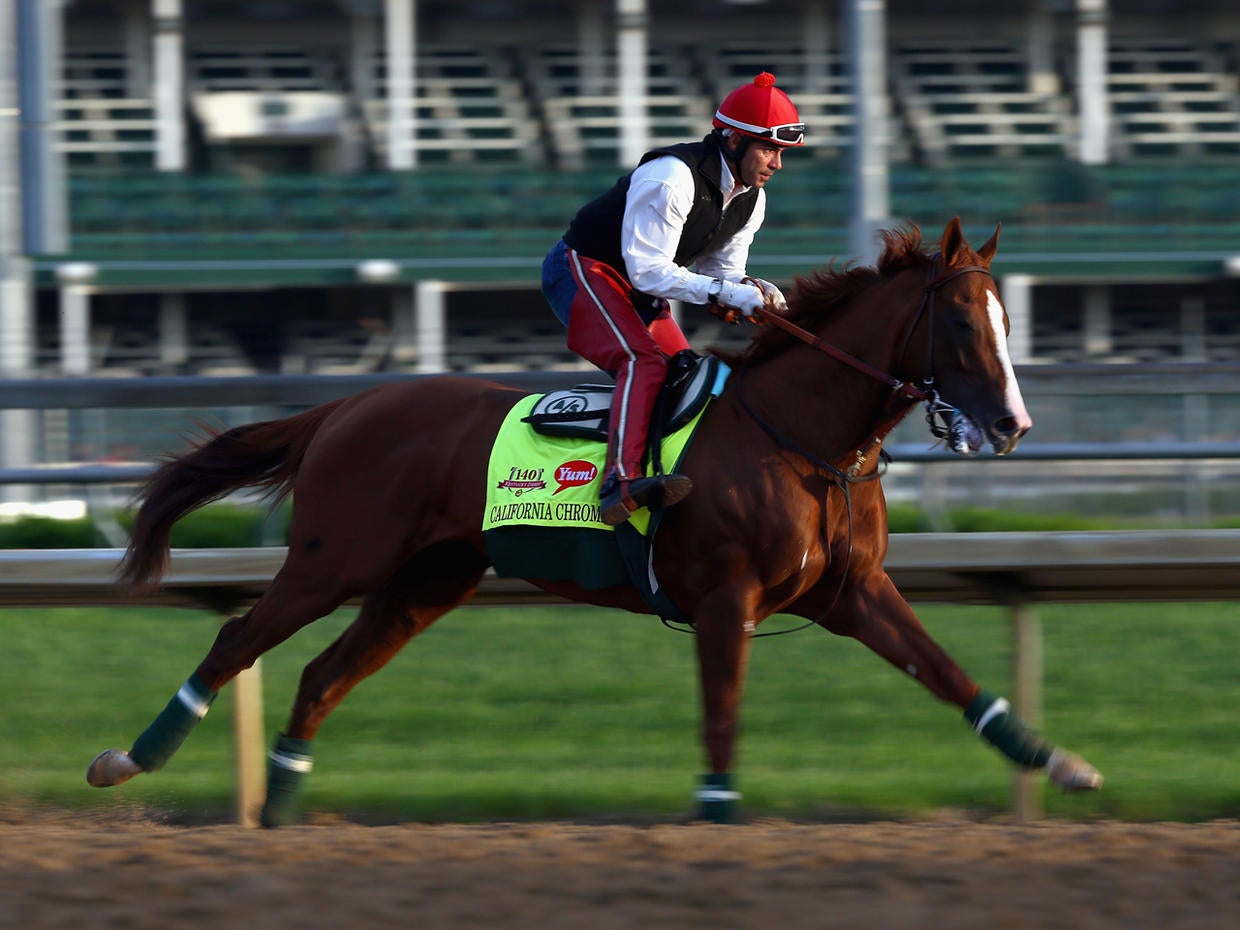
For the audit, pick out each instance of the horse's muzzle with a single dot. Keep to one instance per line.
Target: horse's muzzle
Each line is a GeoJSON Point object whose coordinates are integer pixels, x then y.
{"type": "Point", "coordinates": [1007, 432]}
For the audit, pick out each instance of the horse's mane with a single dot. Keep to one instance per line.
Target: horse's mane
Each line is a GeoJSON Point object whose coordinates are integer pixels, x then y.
{"type": "Point", "coordinates": [821, 291]}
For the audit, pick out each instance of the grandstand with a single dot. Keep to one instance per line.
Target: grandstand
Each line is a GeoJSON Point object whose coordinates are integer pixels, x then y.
{"type": "Point", "coordinates": [1173, 96]}
{"type": "Point", "coordinates": [470, 108]}
{"type": "Point", "coordinates": [247, 260]}
{"type": "Point", "coordinates": [964, 100]}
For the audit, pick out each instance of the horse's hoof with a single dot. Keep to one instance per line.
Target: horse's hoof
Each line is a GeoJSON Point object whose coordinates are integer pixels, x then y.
{"type": "Point", "coordinates": [111, 767]}
{"type": "Point", "coordinates": [1072, 773]}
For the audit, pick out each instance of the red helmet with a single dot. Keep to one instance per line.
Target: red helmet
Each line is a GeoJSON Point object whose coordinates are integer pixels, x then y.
{"type": "Point", "coordinates": [763, 111]}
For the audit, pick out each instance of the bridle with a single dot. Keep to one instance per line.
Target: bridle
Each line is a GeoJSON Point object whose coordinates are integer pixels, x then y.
{"type": "Point", "coordinates": [940, 415]}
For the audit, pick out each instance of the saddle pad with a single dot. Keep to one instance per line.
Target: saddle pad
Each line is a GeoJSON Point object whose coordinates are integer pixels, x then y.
{"type": "Point", "coordinates": [541, 518]}
{"type": "Point", "coordinates": [538, 480]}
{"type": "Point", "coordinates": [583, 410]}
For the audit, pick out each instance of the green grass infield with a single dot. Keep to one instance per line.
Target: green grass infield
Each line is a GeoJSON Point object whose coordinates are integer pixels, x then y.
{"type": "Point", "coordinates": [529, 713]}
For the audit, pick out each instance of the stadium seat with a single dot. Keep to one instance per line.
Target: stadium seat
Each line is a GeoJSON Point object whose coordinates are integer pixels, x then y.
{"type": "Point", "coordinates": [970, 99]}
{"type": "Point", "coordinates": [1171, 96]}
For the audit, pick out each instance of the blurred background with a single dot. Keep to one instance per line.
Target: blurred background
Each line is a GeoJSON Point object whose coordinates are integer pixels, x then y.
{"type": "Point", "coordinates": [231, 210]}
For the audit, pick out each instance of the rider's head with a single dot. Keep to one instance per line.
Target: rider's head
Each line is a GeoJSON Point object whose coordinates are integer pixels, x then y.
{"type": "Point", "coordinates": [760, 110]}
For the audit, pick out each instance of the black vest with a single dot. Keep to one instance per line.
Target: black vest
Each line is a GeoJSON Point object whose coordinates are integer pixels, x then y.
{"type": "Point", "coordinates": [595, 230]}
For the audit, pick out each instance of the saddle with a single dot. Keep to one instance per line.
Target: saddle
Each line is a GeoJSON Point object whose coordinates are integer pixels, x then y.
{"type": "Point", "coordinates": [583, 411]}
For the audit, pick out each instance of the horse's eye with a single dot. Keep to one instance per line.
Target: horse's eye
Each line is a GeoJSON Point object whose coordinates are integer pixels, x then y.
{"type": "Point", "coordinates": [964, 324]}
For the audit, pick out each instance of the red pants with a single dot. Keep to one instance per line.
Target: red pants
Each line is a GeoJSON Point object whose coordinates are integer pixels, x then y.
{"type": "Point", "coordinates": [604, 328]}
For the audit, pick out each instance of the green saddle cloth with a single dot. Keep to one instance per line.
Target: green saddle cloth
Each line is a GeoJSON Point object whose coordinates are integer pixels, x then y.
{"type": "Point", "coordinates": [542, 506]}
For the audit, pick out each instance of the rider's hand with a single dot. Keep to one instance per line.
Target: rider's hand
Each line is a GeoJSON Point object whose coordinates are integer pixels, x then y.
{"type": "Point", "coordinates": [743, 297]}
{"type": "Point", "coordinates": [774, 295]}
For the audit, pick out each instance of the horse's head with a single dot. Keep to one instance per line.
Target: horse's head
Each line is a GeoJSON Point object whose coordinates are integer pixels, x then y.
{"type": "Point", "coordinates": [961, 336]}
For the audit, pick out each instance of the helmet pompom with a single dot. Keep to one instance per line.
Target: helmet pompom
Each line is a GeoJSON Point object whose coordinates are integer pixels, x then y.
{"type": "Point", "coordinates": [765, 79]}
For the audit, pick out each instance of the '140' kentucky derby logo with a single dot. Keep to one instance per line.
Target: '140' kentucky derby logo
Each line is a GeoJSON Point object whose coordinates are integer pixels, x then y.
{"type": "Point", "coordinates": [521, 480]}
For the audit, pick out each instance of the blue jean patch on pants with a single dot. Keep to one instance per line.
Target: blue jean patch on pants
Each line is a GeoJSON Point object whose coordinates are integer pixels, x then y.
{"type": "Point", "coordinates": [558, 284]}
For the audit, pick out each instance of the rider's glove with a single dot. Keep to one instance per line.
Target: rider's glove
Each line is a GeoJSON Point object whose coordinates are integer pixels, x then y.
{"type": "Point", "coordinates": [774, 295]}
{"type": "Point", "coordinates": [743, 297]}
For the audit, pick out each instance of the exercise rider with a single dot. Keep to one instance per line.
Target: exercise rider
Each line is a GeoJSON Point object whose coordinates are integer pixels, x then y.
{"type": "Point", "coordinates": [628, 252]}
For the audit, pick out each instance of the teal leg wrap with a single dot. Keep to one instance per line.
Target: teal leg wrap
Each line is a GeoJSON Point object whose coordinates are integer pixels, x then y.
{"type": "Point", "coordinates": [991, 716]}
{"type": "Point", "coordinates": [167, 732]}
{"type": "Point", "coordinates": [288, 765]}
{"type": "Point", "coordinates": [717, 798]}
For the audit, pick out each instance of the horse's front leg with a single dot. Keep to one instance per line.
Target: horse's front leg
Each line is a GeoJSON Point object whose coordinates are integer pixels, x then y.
{"type": "Point", "coordinates": [877, 615]}
{"type": "Point", "coordinates": [723, 622]}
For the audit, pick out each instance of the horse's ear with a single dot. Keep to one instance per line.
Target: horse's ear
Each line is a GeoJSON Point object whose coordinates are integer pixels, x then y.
{"type": "Point", "coordinates": [987, 251]}
{"type": "Point", "coordinates": [953, 239]}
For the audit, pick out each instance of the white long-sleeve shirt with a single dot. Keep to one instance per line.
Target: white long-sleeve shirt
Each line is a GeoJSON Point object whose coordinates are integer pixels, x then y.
{"type": "Point", "coordinates": [659, 199]}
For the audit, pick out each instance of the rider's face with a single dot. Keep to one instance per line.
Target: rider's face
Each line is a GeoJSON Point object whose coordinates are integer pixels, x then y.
{"type": "Point", "coordinates": [760, 161]}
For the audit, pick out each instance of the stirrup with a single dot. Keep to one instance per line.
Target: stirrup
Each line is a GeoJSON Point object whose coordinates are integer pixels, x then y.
{"type": "Point", "coordinates": [620, 499]}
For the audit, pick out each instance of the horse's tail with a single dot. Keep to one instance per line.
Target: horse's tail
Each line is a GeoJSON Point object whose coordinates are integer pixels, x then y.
{"type": "Point", "coordinates": [262, 455]}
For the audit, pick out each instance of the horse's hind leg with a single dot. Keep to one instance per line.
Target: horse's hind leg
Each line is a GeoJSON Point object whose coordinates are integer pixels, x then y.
{"type": "Point", "coordinates": [297, 596]}
{"type": "Point", "coordinates": [428, 587]}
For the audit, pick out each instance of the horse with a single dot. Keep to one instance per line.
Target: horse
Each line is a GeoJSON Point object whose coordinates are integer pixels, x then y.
{"type": "Point", "coordinates": [787, 514]}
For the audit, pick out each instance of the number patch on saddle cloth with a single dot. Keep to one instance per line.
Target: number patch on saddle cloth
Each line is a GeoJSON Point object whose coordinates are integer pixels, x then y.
{"type": "Point", "coordinates": [582, 411]}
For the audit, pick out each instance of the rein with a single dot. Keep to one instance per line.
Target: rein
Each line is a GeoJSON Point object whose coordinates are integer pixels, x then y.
{"type": "Point", "coordinates": [907, 388]}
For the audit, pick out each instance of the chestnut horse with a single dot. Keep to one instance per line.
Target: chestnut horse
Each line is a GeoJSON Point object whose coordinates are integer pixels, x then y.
{"type": "Point", "coordinates": [785, 514]}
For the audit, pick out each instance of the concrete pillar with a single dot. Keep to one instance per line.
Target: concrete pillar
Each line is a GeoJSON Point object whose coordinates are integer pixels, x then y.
{"type": "Point", "coordinates": [1097, 320]}
{"type": "Point", "coordinates": [45, 226]}
{"type": "Point", "coordinates": [400, 44]}
{"type": "Point", "coordinates": [867, 44]}
{"type": "Point", "coordinates": [19, 429]}
{"type": "Point", "coordinates": [631, 23]}
{"type": "Point", "coordinates": [173, 331]}
{"type": "Point", "coordinates": [1193, 329]}
{"type": "Point", "coordinates": [1091, 79]}
{"type": "Point", "coordinates": [16, 295]}
{"type": "Point", "coordinates": [430, 320]}
{"type": "Point", "coordinates": [1017, 293]}
{"type": "Point", "coordinates": [74, 330]}
{"type": "Point", "coordinates": [1196, 410]}
{"type": "Point", "coordinates": [816, 35]}
{"type": "Point", "coordinates": [75, 292]}
{"type": "Point", "coordinates": [592, 48]}
{"type": "Point", "coordinates": [169, 86]}
{"type": "Point", "coordinates": [16, 319]}
{"type": "Point", "coordinates": [1040, 46]}
{"type": "Point", "coordinates": [404, 328]}
{"type": "Point", "coordinates": [363, 56]}
{"type": "Point", "coordinates": [137, 49]}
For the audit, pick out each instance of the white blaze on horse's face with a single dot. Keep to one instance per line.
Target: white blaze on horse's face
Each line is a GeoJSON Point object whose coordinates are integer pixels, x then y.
{"type": "Point", "coordinates": [1012, 396]}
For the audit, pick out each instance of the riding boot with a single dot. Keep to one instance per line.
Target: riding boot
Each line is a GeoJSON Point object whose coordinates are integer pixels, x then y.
{"type": "Point", "coordinates": [619, 498]}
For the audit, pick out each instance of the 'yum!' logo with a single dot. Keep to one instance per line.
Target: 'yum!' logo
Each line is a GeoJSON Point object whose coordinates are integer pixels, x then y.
{"type": "Point", "coordinates": [574, 474]}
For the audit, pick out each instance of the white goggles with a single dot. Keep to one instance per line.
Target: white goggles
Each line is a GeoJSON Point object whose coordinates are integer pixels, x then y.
{"type": "Point", "coordinates": [786, 134]}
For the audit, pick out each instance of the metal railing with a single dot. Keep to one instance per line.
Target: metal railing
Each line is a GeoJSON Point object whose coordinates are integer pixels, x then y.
{"type": "Point", "coordinates": [1099, 430]}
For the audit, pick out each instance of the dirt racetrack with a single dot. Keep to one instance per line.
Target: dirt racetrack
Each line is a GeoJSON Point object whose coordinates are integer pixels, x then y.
{"type": "Point", "coordinates": [97, 871]}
